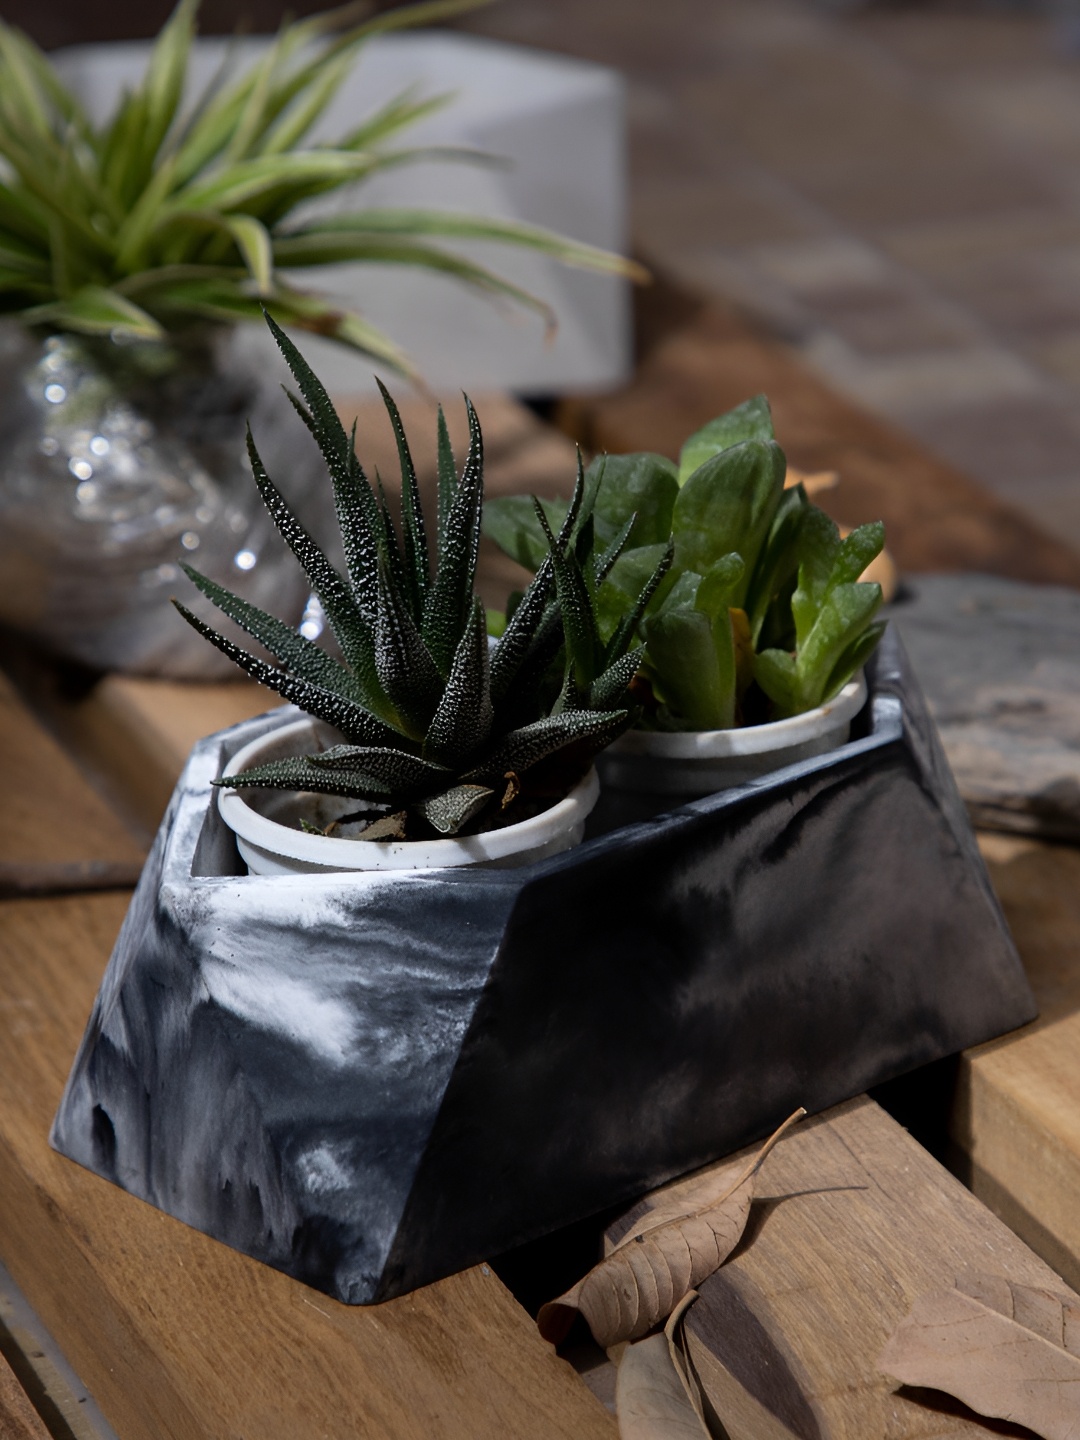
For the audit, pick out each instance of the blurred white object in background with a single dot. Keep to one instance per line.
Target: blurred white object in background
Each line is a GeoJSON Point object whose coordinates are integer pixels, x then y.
{"type": "Point", "coordinates": [557, 128]}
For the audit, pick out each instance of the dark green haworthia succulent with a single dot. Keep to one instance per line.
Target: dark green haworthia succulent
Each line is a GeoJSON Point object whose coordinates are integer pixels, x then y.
{"type": "Point", "coordinates": [762, 609]}
{"type": "Point", "coordinates": [434, 720]}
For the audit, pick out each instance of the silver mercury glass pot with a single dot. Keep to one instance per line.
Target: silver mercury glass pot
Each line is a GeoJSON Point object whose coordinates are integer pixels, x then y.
{"type": "Point", "coordinates": [117, 461]}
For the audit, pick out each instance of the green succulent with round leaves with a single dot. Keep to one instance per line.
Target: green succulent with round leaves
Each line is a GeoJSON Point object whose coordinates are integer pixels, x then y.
{"type": "Point", "coordinates": [434, 719]}
{"type": "Point", "coordinates": [171, 215]}
{"type": "Point", "coordinates": [763, 596]}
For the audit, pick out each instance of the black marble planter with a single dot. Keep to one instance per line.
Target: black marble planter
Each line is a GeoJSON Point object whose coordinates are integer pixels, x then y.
{"type": "Point", "coordinates": [371, 1081]}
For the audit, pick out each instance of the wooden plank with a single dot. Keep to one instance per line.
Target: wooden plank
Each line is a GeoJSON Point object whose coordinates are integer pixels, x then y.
{"type": "Point", "coordinates": [852, 1221]}
{"type": "Point", "coordinates": [140, 731]}
{"type": "Point", "coordinates": [1016, 1115]}
{"type": "Point", "coordinates": [57, 832]}
{"type": "Point", "coordinates": [936, 518]}
{"type": "Point", "coordinates": [18, 1418]}
{"type": "Point", "coordinates": [177, 1336]}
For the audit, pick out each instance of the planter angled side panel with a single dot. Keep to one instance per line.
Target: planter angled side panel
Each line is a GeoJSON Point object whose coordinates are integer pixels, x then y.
{"type": "Point", "coordinates": [371, 1082]}
{"type": "Point", "coordinates": [266, 1057]}
{"type": "Point", "coordinates": [672, 991]}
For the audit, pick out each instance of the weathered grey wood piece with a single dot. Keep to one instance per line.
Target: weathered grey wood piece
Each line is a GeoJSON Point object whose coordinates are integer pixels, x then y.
{"type": "Point", "coordinates": [999, 663]}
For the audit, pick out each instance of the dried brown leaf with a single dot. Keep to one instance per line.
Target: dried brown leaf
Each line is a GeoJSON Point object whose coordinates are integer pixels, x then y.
{"type": "Point", "coordinates": [651, 1401]}
{"type": "Point", "coordinates": [666, 1254]}
{"type": "Point", "coordinates": [972, 1348]}
{"type": "Point", "coordinates": [387, 827]}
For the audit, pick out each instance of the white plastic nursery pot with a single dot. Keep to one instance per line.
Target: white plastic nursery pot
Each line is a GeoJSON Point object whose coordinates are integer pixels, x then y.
{"type": "Point", "coordinates": [689, 764]}
{"type": "Point", "coordinates": [264, 822]}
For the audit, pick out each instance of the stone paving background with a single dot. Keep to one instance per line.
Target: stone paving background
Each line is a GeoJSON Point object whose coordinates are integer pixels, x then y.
{"type": "Point", "coordinates": [893, 188]}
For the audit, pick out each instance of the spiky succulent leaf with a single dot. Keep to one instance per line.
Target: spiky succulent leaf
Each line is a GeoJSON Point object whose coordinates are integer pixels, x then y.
{"type": "Point", "coordinates": [602, 564]}
{"type": "Point", "coordinates": [291, 649]}
{"type": "Point", "coordinates": [608, 690]}
{"type": "Point", "coordinates": [442, 744]}
{"type": "Point", "coordinates": [520, 632]}
{"type": "Point", "coordinates": [353, 720]}
{"type": "Point", "coordinates": [297, 773]}
{"type": "Point", "coordinates": [448, 481]}
{"type": "Point", "coordinates": [401, 774]}
{"type": "Point", "coordinates": [530, 744]}
{"type": "Point", "coordinates": [462, 722]}
{"type": "Point", "coordinates": [354, 502]}
{"type": "Point", "coordinates": [417, 560]}
{"type": "Point", "coordinates": [453, 808]}
{"type": "Point", "coordinates": [406, 669]}
{"type": "Point", "coordinates": [631, 619]}
{"type": "Point", "coordinates": [579, 620]}
{"type": "Point", "coordinates": [390, 550]}
{"type": "Point", "coordinates": [350, 627]}
{"type": "Point", "coordinates": [365, 771]}
{"type": "Point", "coordinates": [449, 599]}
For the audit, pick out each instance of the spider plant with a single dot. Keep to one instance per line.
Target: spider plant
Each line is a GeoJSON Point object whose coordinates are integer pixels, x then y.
{"type": "Point", "coordinates": [762, 614]}
{"type": "Point", "coordinates": [434, 727]}
{"type": "Point", "coordinates": [175, 214]}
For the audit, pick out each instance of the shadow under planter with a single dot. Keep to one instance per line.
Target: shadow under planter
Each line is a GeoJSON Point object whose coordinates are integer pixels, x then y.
{"type": "Point", "coordinates": [370, 1081]}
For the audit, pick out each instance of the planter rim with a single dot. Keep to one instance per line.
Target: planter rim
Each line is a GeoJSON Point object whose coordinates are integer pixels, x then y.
{"type": "Point", "coordinates": [328, 853]}
{"type": "Point", "coordinates": [747, 739]}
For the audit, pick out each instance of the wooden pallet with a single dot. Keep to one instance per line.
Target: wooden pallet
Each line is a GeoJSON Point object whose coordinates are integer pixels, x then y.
{"type": "Point", "coordinates": [178, 1336]}
{"type": "Point", "coordinates": [1015, 1114]}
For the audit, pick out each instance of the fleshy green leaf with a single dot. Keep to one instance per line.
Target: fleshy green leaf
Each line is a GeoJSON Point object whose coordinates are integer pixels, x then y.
{"type": "Point", "coordinates": [752, 420]}
{"type": "Point", "coordinates": [778, 562]}
{"type": "Point", "coordinates": [684, 669]}
{"type": "Point", "coordinates": [643, 486]}
{"type": "Point", "coordinates": [728, 504]}
{"type": "Point", "coordinates": [510, 520]}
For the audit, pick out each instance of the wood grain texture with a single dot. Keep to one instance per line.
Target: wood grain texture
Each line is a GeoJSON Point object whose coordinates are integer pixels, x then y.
{"type": "Point", "coordinates": [53, 821]}
{"type": "Point", "coordinates": [851, 1222]}
{"type": "Point", "coordinates": [1016, 1119]}
{"type": "Point", "coordinates": [141, 731]}
{"type": "Point", "coordinates": [936, 518]}
{"type": "Point", "coordinates": [18, 1418]}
